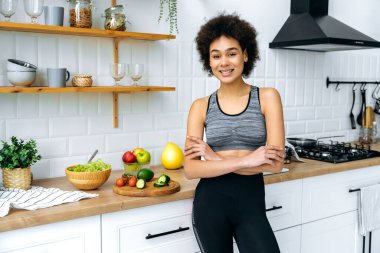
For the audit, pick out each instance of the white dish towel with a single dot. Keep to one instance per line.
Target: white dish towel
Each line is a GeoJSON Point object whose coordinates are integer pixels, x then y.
{"type": "Point", "coordinates": [37, 197]}
{"type": "Point", "coordinates": [369, 209]}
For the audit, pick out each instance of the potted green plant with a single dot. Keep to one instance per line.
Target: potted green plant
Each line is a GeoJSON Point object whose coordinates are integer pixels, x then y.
{"type": "Point", "coordinates": [16, 158]}
{"type": "Point", "coordinates": [172, 14]}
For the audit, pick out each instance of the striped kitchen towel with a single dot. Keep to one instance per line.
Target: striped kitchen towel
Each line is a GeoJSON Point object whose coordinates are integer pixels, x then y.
{"type": "Point", "coordinates": [37, 197]}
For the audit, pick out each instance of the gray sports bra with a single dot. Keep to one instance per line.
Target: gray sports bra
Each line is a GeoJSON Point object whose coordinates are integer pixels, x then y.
{"type": "Point", "coordinates": [243, 131]}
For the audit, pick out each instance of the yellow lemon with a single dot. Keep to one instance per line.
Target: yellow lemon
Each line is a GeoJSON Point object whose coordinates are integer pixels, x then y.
{"type": "Point", "coordinates": [172, 156]}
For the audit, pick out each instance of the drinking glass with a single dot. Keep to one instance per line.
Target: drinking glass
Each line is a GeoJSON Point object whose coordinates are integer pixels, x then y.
{"type": "Point", "coordinates": [8, 8]}
{"type": "Point", "coordinates": [136, 71]}
{"type": "Point", "coordinates": [34, 9]}
{"type": "Point", "coordinates": [118, 72]}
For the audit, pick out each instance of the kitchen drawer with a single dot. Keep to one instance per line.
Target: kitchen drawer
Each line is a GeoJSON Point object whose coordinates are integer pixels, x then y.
{"type": "Point", "coordinates": [126, 231]}
{"type": "Point", "coordinates": [337, 234]}
{"type": "Point", "coordinates": [286, 197]}
{"type": "Point", "coordinates": [189, 245]}
{"type": "Point", "coordinates": [328, 195]}
{"type": "Point", "coordinates": [74, 236]}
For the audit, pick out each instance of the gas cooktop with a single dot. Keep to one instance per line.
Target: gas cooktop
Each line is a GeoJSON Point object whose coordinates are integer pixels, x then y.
{"type": "Point", "coordinates": [337, 152]}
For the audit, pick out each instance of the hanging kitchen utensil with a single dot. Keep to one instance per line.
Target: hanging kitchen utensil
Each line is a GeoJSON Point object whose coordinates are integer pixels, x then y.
{"type": "Point", "coordinates": [377, 98]}
{"type": "Point", "coordinates": [377, 106]}
{"type": "Point", "coordinates": [361, 115]}
{"type": "Point", "coordinates": [369, 117]}
{"type": "Point", "coordinates": [352, 116]}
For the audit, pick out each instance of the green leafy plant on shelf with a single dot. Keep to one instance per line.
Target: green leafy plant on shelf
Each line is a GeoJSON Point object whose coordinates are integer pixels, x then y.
{"type": "Point", "coordinates": [172, 14]}
{"type": "Point", "coordinates": [18, 154]}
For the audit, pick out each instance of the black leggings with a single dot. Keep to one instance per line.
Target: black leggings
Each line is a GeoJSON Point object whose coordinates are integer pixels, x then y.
{"type": "Point", "coordinates": [229, 206]}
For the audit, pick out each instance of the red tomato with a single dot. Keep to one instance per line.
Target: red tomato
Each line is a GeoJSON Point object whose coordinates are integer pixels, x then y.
{"type": "Point", "coordinates": [120, 182]}
{"type": "Point", "coordinates": [132, 181]}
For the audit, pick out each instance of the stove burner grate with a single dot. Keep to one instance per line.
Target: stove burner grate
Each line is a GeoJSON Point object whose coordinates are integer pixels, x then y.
{"type": "Point", "coordinates": [337, 152]}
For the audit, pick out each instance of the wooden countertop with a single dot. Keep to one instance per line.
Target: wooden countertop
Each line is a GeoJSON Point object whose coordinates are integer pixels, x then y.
{"type": "Point", "coordinates": [108, 201]}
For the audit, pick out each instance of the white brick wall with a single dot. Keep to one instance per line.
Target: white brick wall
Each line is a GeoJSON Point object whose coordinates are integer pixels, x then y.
{"type": "Point", "coordinates": [68, 127]}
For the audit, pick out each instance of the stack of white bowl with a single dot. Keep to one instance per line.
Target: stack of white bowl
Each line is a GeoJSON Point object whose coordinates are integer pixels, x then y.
{"type": "Point", "coordinates": [20, 73]}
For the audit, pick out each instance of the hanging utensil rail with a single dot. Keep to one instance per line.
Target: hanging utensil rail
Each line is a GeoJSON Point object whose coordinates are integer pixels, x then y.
{"type": "Point", "coordinates": [328, 82]}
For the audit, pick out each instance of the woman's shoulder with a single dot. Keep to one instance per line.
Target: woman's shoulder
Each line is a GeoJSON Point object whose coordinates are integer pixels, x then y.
{"type": "Point", "coordinates": [268, 93]}
{"type": "Point", "coordinates": [201, 102]}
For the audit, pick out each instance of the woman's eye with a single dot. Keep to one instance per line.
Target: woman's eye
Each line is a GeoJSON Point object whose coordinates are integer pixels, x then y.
{"type": "Point", "coordinates": [215, 56]}
{"type": "Point", "coordinates": [232, 54]}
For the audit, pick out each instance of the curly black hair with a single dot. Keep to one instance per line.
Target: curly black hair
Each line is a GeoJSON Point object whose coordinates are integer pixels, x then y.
{"type": "Point", "coordinates": [231, 26]}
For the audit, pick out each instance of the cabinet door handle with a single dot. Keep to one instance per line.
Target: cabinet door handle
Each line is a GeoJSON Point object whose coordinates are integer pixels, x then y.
{"type": "Point", "coordinates": [273, 208]}
{"type": "Point", "coordinates": [149, 236]}
{"type": "Point", "coordinates": [354, 190]}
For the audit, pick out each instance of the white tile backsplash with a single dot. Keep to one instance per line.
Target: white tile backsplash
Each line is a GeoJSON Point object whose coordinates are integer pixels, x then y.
{"type": "Point", "coordinates": [52, 147]}
{"type": "Point", "coordinates": [85, 145]}
{"type": "Point", "coordinates": [27, 128]}
{"type": "Point", "coordinates": [69, 126]}
{"type": "Point", "coordinates": [27, 105]}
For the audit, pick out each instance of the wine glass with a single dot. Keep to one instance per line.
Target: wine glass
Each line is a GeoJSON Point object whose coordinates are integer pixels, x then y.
{"type": "Point", "coordinates": [34, 9]}
{"type": "Point", "coordinates": [8, 8]}
{"type": "Point", "coordinates": [136, 71]}
{"type": "Point", "coordinates": [117, 72]}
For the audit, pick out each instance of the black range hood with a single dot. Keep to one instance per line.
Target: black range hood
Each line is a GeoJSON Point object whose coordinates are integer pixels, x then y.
{"type": "Point", "coordinates": [309, 27]}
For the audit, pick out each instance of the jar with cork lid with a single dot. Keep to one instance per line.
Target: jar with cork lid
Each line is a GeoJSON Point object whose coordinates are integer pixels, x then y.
{"type": "Point", "coordinates": [80, 13]}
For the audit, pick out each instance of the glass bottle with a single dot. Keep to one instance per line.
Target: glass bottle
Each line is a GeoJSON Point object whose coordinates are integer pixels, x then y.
{"type": "Point", "coordinates": [374, 132]}
{"type": "Point", "coordinates": [80, 13]}
{"type": "Point", "coordinates": [115, 18]}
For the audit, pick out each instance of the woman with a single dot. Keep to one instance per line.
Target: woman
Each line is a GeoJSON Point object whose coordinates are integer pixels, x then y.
{"type": "Point", "coordinates": [245, 136]}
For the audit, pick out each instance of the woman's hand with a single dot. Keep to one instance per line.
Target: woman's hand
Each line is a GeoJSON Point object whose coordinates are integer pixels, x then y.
{"type": "Point", "coordinates": [264, 155]}
{"type": "Point", "coordinates": [199, 148]}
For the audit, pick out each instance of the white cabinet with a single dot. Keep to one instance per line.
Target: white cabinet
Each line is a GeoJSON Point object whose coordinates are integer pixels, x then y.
{"type": "Point", "coordinates": [160, 228]}
{"type": "Point", "coordinates": [283, 204]}
{"type": "Point", "coordinates": [337, 234]}
{"type": "Point", "coordinates": [289, 240]}
{"type": "Point", "coordinates": [74, 236]}
{"type": "Point", "coordinates": [328, 195]}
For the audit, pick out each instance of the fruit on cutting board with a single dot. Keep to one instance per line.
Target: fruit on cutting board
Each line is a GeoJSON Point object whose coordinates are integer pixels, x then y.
{"type": "Point", "coordinates": [120, 182]}
{"type": "Point", "coordinates": [163, 180]}
{"type": "Point", "coordinates": [140, 184]}
{"type": "Point", "coordinates": [172, 156]}
{"type": "Point", "coordinates": [145, 174]}
{"type": "Point", "coordinates": [132, 181]}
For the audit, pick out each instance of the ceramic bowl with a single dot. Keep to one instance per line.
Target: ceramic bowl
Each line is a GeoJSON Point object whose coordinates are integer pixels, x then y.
{"type": "Point", "coordinates": [23, 79]}
{"type": "Point", "coordinates": [17, 65]}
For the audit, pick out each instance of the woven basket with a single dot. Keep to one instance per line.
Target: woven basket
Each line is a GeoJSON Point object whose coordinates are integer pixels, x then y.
{"type": "Point", "coordinates": [88, 180]}
{"type": "Point", "coordinates": [17, 178]}
{"type": "Point", "coordinates": [82, 81]}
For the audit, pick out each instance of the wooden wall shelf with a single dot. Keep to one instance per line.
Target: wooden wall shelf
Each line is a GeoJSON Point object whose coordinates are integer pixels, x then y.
{"type": "Point", "coordinates": [73, 31]}
{"type": "Point", "coordinates": [114, 89]}
{"type": "Point", "coordinates": [63, 30]}
{"type": "Point", "coordinates": [117, 89]}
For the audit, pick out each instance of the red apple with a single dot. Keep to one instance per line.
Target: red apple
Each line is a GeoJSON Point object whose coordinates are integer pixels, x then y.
{"type": "Point", "coordinates": [137, 150]}
{"type": "Point", "coordinates": [129, 157]}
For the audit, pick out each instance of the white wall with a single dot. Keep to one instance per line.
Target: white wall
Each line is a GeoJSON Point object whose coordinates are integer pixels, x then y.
{"type": "Point", "coordinates": [68, 127]}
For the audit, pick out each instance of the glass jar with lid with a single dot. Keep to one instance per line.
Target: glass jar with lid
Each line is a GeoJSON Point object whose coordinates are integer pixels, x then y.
{"type": "Point", "coordinates": [115, 18]}
{"type": "Point", "coordinates": [80, 13]}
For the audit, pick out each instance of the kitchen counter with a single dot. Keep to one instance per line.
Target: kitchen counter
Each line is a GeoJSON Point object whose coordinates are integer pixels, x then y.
{"type": "Point", "coordinates": [107, 201]}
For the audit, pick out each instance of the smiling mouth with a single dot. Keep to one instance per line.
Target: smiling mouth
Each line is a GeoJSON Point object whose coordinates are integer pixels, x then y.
{"type": "Point", "coordinates": [226, 72]}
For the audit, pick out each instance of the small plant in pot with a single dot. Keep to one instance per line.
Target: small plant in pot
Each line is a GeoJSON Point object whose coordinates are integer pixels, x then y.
{"type": "Point", "coordinates": [16, 158]}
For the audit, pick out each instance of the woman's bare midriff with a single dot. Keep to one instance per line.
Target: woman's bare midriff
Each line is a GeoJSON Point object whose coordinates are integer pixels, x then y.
{"type": "Point", "coordinates": [236, 153]}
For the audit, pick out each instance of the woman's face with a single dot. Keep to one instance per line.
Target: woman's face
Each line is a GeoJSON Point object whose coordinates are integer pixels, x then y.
{"type": "Point", "coordinates": [227, 59]}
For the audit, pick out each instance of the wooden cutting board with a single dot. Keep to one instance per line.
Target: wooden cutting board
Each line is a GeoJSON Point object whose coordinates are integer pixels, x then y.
{"type": "Point", "coordinates": [149, 190]}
